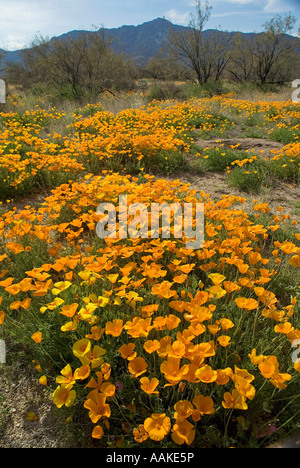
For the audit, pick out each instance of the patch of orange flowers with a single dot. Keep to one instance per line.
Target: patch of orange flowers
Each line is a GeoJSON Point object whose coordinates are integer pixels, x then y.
{"type": "Point", "coordinates": [149, 312]}
{"type": "Point", "coordinates": [154, 340]}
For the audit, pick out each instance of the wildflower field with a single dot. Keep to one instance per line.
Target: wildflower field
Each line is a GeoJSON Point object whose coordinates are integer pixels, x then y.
{"type": "Point", "coordinates": [142, 342]}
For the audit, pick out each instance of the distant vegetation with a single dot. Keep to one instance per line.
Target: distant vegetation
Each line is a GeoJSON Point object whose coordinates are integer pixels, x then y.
{"type": "Point", "coordinates": [81, 67]}
{"type": "Point", "coordinates": [141, 341]}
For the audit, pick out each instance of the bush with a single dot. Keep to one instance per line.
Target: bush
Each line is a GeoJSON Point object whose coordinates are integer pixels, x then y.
{"type": "Point", "coordinates": [166, 91]}
{"type": "Point", "coordinates": [250, 178]}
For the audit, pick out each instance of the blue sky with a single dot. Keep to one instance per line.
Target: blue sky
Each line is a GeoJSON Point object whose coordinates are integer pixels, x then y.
{"type": "Point", "coordinates": [21, 20]}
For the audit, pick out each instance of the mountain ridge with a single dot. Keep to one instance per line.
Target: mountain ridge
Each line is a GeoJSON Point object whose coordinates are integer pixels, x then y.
{"type": "Point", "coordinates": [141, 42]}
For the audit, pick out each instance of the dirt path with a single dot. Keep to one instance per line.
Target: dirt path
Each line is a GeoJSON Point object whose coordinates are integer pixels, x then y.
{"type": "Point", "coordinates": [258, 144]}
{"type": "Point", "coordinates": [283, 195]}
{"type": "Point", "coordinates": [22, 399]}
{"type": "Point", "coordinates": [214, 184]}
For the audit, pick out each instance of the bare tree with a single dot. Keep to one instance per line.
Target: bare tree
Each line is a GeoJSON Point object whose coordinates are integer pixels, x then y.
{"type": "Point", "coordinates": [242, 59]}
{"type": "Point", "coordinates": [207, 54]}
{"type": "Point", "coordinates": [162, 68]}
{"type": "Point", "coordinates": [78, 65]}
{"type": "Point", "coordinates": [273, 51]}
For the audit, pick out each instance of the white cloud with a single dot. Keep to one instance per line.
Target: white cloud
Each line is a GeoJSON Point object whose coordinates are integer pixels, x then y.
{"type": "Point", "coordinates": [176, 17]}
{"type": "Point", "coordinates": [20, 21]}
{"type": "Point", "coordinates": [226, 14]}
{"type": "Point", "coordinates": [275, 6]}
{"type": "Point", "coordinates": [13, 43]}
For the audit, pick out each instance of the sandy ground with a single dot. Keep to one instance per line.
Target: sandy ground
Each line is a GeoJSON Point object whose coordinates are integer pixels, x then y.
{"type": "Point", "coordinates": [21, 397]}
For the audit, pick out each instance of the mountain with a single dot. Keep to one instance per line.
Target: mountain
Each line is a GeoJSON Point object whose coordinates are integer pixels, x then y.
{"type": "Point", "coordinates": [141, 42]}
{"type": "Point", "coordinates": [144, 41]}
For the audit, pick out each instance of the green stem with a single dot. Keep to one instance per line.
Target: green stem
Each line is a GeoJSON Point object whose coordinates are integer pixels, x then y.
{"type": "Point", "coordinates": [254, 328]}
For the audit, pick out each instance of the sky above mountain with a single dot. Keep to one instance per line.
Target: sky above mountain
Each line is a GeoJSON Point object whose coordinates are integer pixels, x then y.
{"type": "Point", "coordinates": [21, 20]}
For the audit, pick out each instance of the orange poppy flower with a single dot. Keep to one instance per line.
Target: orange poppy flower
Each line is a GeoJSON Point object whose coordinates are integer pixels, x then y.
{"type": "Point", "coordinates": [69, 326]}
{"type": "Point", "coordinates": [163, 290]}
{"type": "Point", "coordinates": [230, 287]}
{"type": "Point", "coordinates": [2, 317]}
{"type": "Point", "coordinates": [149, 386]}
{"type": "Point", "coordinates": [224, 340]}
{"type": "Point", "coordinates": [245, 388]}
{"type": "Point", "coordinates": [82, 372]}
{"type": "Point", "coordinates": [234, 400]}
{"type": "Point", "coordinates": [246, 303]}
{"type": "Point", "coordinates": [97, 432]}
{"type": "Point", "coordinates": [183, 432]}
{"type": "Point", "coordinates": [151, 345]}
{"type": "Point", "coordinates": [23, 304]}
{"type": "Point", "coordinates": [106, 370]}
{"type": "Point", "coordinates": [197, 329]}
{"type": "Point", "coordinates": [140, 435]}
{"type": "Point", "coordinates": [206, 374]}
{"type": "Point", "coordinates": [106, 388]}
{"type": "Point", "coordinates": [217, 278]}
{"type": "Point", "coordinates": [126, 351]}
{"type": "Point", "coordinates": [295, 261]}
{"type": "Point", "coordinates": [279, 379]}
{"type": "Point", "coordinates": [96, 333]}
{"type": "Point", "coordinates": [226, 324]}
{"type": "Point", "coordinates": [93, 357]}
{"type": "Point", "coordinates": [164, 342]}
{"type": "Point", "coordinates": [160, 323]}
{"type": "Point", "coordinates": [43, 380]}
{"type": "Point", "coordinates": [223, 376]}
{"type": "Point", "coordinates": [148, 310]}
{"type": "Point", "coordinates": [256, 359]}
{"type": "Point", "coordinates": [37, 337]}
{"type": "Point", "coordinates": [172, 321]}
{"type": "Point", "coordinates": [60, 287]}
{"type": "Point", "coordinates": [179, 306]}
{"type": "Point", "coordinates": [268, 367]}
{"type": "Point", "coordinates": [254, 257]}
{"type": "Point", "coordinates": [14, 289]}
{"type": "Point", "coordinates": [15, 248]}
{"type": "Point", "coordinates": [69, 310]}
{"type": "Point", "coordinates": [172, 371]}
{"type": "Point", "coordinates": [114, 328]}
{"type": "Point", "coordinates": [284, 328]}
{"type": "Point", "coordinates": [179, 279]}
{"type": "Point", "coordinates": [137, 366]}
{"type": "Point", "coordinates": [97, 406]}
{"type": "Point", "coordinates": [213, 329]}
{"type": "Point", "coordinates": [81, 348]}
{"type": "Point", "coordinates": [176, 349]}
{"type": "Point", "coordinates": [183, 409]}
{"type": "Point", "coordinates": [63, 395]}
{"type": "Point", "coordinates": [66, 377]}
{"type": "Point", "coordinates": [157, 426]}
